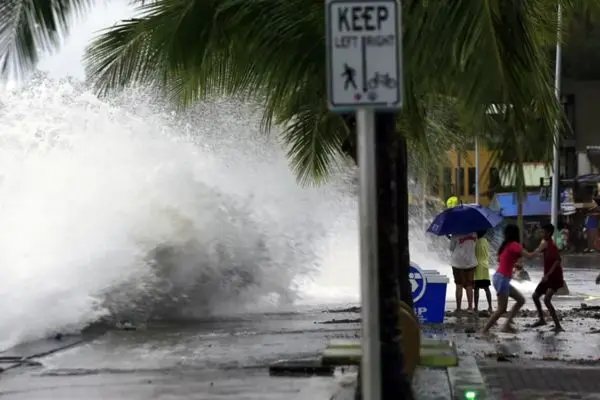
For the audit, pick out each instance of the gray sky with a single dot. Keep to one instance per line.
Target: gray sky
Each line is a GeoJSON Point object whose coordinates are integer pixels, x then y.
{"type": "Point", "coordinates": [67, 60]}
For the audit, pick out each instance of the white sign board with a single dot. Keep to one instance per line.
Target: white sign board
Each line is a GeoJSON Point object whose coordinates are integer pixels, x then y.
{"type": "Point", "coordinates": [363, 54]}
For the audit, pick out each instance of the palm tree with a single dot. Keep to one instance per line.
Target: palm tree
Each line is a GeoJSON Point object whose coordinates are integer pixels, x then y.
{"type": "Point", "coordinates": [468, 53]}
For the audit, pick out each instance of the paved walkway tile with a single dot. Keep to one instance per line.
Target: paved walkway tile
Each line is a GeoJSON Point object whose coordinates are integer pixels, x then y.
{"type": "Point", "coordinates": [530, 382]}
{"type": "Point", "coordinates": [540, 395]}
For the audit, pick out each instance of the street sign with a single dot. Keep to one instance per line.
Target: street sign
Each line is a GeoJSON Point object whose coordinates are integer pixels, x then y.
{"type": "Point", "coordinates": [363, 54]}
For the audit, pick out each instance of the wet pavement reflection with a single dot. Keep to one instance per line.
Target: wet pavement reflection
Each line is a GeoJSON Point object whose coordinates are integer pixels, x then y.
{"type": "Point", "coordinates": [226, 358]}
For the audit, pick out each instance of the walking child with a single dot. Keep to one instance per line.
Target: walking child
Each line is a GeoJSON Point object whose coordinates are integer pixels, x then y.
{"type": "Point", "coordinates": [508, 255]}
{"type": "Point", "coordinates": [551, 281]}
{"type": "Point", "coordinates": [482, 271]}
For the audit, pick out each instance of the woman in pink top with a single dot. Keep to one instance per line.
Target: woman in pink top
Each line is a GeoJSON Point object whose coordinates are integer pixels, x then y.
{"type": "Point", "coordinates": [508, 256]}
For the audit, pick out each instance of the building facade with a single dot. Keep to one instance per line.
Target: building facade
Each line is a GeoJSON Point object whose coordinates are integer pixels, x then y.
{"type": "Point", "coordinates": [579, 151]}
{"type": "Point", "coordinates": [458, 178]}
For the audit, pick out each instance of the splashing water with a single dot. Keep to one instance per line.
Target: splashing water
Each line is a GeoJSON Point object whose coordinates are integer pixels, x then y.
{"type": "Point", "coordinates": [125, 209]}
{"type": "Point", "coordinates": [122, 207]}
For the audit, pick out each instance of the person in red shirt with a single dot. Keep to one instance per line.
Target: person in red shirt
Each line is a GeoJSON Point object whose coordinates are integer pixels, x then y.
{"type": "Point", "coordinates": [551, 281]}
{"type": "Point", "coordinates": [509, 253]}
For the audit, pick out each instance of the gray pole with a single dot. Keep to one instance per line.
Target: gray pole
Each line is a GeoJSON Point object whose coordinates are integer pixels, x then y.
{"type": "Point", "coordinates": [555, 202]}
{"type": "Point", "coordinates": [459, 182]}
{"type": "Point", "coordinates": [369, 279]}
{"type": "Point", "coordinates": [424, 200]}
{"type": "Point", "coordinates": [476, 171]}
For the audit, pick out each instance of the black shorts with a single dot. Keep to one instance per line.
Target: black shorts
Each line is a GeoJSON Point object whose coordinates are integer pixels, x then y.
{"type": "Point", "coordinates": [553, 284]}
{"type": "Point", "coordinates": [482, 284]}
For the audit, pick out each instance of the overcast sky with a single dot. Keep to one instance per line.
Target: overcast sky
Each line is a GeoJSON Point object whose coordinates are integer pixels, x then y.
{"type": "Point", "coordinates": [67, 61]}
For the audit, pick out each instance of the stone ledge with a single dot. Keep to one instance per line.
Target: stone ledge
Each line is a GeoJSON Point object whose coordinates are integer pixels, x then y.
{"type": "Point", "coordinates": [509, 377]}
{"type": "Point", "coordinates": [540, 395]}
{"type": "Point", "coordinates": [465, 378]}
{"type": "Point", "coordinates": [428, 384]}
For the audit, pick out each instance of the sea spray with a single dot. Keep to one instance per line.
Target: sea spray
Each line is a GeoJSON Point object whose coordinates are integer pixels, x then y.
{"type": "Point", "coordinates": [91, 191]}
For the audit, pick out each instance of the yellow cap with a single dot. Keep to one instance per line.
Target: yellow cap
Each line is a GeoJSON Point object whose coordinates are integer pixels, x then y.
{"type": "Point", "coordinates": [452, 202]}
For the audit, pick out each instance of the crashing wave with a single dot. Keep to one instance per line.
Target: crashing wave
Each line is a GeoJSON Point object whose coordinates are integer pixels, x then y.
{"type": "Point", "coordinates": [126, 208]}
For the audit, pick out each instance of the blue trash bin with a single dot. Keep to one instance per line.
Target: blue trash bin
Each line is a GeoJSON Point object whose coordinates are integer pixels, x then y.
{"type": "Point", "coordinates": [429, 294]}
{"type": "Point", "coordinates": [424, 271]}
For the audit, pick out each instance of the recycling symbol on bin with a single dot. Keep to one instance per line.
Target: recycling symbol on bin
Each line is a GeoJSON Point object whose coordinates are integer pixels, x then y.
{"type": "Point", "coordinates": [418, 281]}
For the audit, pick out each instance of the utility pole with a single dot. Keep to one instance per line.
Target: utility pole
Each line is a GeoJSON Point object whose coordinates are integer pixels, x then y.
{"type": "Point", "coordinates": [459, 183]}
{"type": "Point", "coordinates": [476, 171]}
{"type": "Point", "coordinates": [424, 201]}
{"type": "Point", "coordinates": [555, 199]}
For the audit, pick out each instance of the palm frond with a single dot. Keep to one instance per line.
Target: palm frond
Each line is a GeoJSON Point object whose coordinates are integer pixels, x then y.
{"type": "Point", "coordinates": [193, 49]}
{"type": "Point", "coordinates": [430, 126]}
{"type": "Point", "coordinates": [28, 28]}
{"type": "Point", "coordinates": [474, 53]}
{"type": "Point", "coordinates": [125, 51]}
{"type": "Point", "coordinates": [313, 139]}
{"type": "Point", "coordinates": [498, 51]}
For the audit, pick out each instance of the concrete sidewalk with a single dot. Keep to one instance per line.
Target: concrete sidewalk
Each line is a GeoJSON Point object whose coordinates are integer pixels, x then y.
{"type": "Point", "coordinates": [534, 363]}
{"type": "Point", "coordinates": [532, 381]}
{"type": "Point", "coordinates": [585, 260]}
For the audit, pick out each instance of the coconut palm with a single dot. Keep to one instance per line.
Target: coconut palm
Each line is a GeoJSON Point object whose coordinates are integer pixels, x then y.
{"type": "Point", "coordinates": [462, 53]}
{"type": "Point", "coordinates": [28, 28]}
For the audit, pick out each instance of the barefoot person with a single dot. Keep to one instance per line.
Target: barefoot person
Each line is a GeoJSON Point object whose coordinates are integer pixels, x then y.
{"type": "Point", "coordinates": [482, 271]}
{"type": "Point", "coordinates": [463, 263]}
{"type": "Point", "coordinates": [552, 279]}
{"type": "Point", "coordinates": [508, 254]}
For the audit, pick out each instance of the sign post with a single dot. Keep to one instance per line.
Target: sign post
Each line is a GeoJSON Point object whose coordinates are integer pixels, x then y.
{"type": "Point", "coordinates": [364, 75]}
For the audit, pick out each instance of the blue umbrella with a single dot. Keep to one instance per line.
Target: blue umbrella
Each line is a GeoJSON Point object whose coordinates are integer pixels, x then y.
{"type": "Point", "coordinates": [464, 219]}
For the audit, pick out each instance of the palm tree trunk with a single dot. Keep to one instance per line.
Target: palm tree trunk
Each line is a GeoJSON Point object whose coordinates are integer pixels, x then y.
{"type": "Point", "coordinates": [402, 224]}
{"type": "Point", "coordinates": [401, 163]}
{"type": "Point", "coordinates": [393, 257]}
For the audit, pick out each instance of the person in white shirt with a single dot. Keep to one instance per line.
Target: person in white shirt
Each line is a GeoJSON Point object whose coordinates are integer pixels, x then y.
{"type": "Point", "coordinates": [464, 262]}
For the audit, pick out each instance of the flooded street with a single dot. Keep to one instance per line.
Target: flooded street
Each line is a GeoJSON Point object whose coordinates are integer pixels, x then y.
{"type": "Point", "coordinates": [225, 358]}
{"type": "Point", "coordinates": [229, 357]}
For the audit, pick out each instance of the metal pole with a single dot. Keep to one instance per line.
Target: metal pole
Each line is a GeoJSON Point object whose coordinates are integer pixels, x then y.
{"type": "Point", "coordinates": [424, 200]}
{"type": "Point", "coordinates": [371, 357]}
{"type": "Point", "coordinates": [555, 202]}
{"type": "Point", "coordinates": [476, 171]}
{"type": "Point", "coordinates": [459, 183]}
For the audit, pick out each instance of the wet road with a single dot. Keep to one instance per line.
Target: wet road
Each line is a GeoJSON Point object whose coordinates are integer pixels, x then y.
{"type": "Point", "coordinates": [202, 361]}
{"type": "Point", "coordinates": [581, 283]}
{"type": "Point", "coordinates": [590, 260]}
{"type": "Point", "coordinates": [217, 359]}
{"type": "Point", "coordinates": [184, 384]}
{"type": "Point", "coordinates": [228, 358]}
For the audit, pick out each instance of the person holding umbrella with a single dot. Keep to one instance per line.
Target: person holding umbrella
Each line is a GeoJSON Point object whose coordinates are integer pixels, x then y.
{"type": "Point", "coordinates": [463, 262]}
{"type": "Point", "coordinates": [461, 222]}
